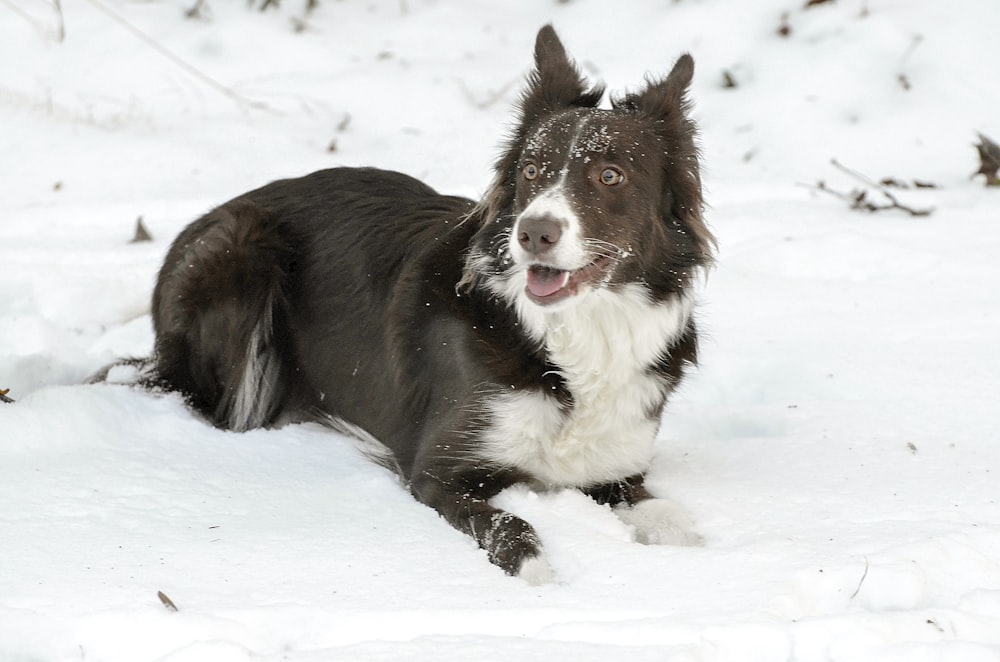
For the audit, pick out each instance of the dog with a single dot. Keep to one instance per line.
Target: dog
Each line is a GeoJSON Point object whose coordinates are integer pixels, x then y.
{"type": "Point", "coordinates": [530, 337]}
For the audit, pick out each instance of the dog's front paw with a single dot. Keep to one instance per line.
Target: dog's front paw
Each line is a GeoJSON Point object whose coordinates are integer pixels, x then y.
{"type": "Point", "coordinates": [660, 522]}
{"type": "Point", "coordinates": [512, 544]}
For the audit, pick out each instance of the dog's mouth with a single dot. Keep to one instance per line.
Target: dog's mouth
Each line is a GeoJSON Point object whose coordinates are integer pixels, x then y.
{"type": "Point", "coordinates": [548, 285]}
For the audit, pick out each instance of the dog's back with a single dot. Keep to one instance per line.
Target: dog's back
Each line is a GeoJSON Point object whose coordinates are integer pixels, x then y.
{"type": "Point", "coordinates": [282, 298]}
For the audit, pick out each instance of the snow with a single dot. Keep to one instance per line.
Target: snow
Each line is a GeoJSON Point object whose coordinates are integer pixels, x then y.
{"type": "Point", "coordinates": [837, 449]}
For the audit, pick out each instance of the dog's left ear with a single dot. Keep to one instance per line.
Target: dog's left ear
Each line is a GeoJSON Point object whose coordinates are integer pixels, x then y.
{"type": "Point", "coordinates": [665, 96]}
{"type": "Point", "coordinates": [665, 101]}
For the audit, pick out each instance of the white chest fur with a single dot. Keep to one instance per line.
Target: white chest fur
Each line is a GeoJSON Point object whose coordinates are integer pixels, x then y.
{"type": "Point", "coordinates": [603, 348]}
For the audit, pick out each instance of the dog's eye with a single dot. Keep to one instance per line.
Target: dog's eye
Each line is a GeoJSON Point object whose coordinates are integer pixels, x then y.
{"type": "Point", "coordinates": [612, 177]}
{"type": "Point", "coordinates": [530, 171]}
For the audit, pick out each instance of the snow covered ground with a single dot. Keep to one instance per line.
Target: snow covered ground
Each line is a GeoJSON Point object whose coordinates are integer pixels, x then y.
{"type": "Point", "coordinates": [838, 448]}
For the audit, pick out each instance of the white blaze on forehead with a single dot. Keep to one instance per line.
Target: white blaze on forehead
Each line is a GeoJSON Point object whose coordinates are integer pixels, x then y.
{"type": "Point", "coordinates": [591, 134]}
{"type": "Point", "coordinates": [554, 202]}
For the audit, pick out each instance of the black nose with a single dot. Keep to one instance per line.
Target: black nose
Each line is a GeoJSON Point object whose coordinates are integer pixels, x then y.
{"type": "Point", "coordinates": [538, 234]}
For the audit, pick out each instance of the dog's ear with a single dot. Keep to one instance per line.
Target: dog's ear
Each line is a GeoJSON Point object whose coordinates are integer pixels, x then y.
{"type": "Point", "coordinates": [556, 83]}
{"type": "Point", "coordinates": [665, 102]}
{"type": "Point", "coordinates": [666, 96]}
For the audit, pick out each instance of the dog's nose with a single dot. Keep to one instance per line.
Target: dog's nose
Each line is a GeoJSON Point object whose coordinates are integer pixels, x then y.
{"type": "Point", "coordinates": [538, 234]}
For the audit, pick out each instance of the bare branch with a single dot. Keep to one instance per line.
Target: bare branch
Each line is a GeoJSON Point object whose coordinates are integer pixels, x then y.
{"type": "Point", "coordinates": [60, 34]}
{"type": "Point", "coordinates": [863, 576]}
{"type": "Point", "coordinates": [863, 203]}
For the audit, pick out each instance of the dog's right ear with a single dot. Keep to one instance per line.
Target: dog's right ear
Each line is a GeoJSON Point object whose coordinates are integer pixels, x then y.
{"type": "Point", "coordinates": [556, 83]}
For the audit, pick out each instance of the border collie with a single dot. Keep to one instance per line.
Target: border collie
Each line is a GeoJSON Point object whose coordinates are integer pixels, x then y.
{"type": "Point", "coordinates": [533, 336]}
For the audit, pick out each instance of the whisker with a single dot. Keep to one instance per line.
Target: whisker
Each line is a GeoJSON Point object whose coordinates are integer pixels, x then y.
{"type": "Point", "coordinates": [607, 249]}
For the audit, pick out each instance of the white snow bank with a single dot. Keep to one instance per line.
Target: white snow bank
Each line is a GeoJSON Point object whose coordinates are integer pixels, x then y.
{"type": "Point", "coordinates": [837, 449]}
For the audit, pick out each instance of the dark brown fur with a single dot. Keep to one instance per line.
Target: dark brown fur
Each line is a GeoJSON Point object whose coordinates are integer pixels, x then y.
{"type": "Point", "coordinates": [337, 295]}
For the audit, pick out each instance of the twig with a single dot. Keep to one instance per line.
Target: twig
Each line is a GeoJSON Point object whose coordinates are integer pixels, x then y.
{"type": "Point", "coordinates": [177, 60]}
{"type": "Point", "coordinates": [141, 233]}
{"type": "Point", "coordinates": [199, 11]}
{"type": "Point", "coordinates": [862, 581]}
{"type": "Point", "coordinates": [38, 25]}
{"type": "Point", "coordinates": [892, 182]}
{"type": "Point", "coordinates": [822, 188]}
{"type": "Point", "coordinates": [3, 395]}
{"type": "Point", "coordinates": [914, 43]}
{"type": "Point", "coordinates": [901, 77]}
{"type": "Point", "coordinates": [860, 198]}
{"type": "Point", "coordinates": [167, 602]}
{"type": "Point", "coordinates": [853, 173]}
{"type": "Point", "coordinates": [62, 21]}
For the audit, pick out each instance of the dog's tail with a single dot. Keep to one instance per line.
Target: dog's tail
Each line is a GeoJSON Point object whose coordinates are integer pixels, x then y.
{"type": "Point", "coordinates": [220, 314]}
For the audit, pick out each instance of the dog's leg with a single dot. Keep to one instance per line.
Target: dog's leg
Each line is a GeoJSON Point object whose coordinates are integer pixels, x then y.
{"type": "Point", "coordinates": [656, 521]}
{"type": "Point", "coordinates": [509, 541]}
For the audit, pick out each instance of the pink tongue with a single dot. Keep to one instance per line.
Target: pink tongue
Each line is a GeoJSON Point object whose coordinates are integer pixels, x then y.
{"type": "Point", "coordinates": [542, 282]}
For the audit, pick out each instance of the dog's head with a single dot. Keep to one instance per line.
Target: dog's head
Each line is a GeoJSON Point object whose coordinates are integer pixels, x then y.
{"type": "Point", "coordinates": [586, 198]}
